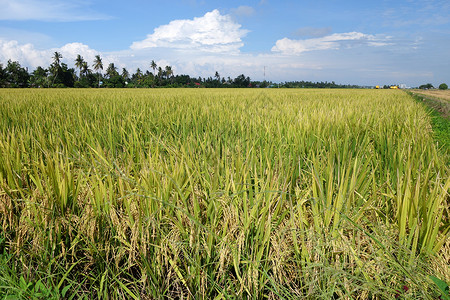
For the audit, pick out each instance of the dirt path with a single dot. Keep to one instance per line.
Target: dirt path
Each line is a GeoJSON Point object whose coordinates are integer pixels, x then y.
{"type": "Point", "coordinates": [437, 99]}
{"type": "Point", "coordinates": [445, 95]}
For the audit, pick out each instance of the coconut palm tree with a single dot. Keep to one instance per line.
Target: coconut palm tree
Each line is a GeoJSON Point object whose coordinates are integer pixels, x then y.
{"type": "Point", "coordinates": [98, 65]}
{"type": "Point", "coordinates": [137, 77]}
{"type": "Point", "coordinates": [85, 69]}
{"type": "Point", "coordinates": [160, 74]}
{"type": "Point", "coordinates": [125, 74]}
{"type": "Point", "coordinates": [169, 73]}
{"type": "Point", "coordinates": [111, 71]}
{"type": "Point", "coordinates": [153, 66]}
{"type": "Point", "coordinates": [57, 58]}
{"type": "Point", "coordinates": [56, 65]}
{"type": "Point", "coordinates": [79, 61]}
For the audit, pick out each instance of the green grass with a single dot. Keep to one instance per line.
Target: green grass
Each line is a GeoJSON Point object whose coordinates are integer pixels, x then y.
{"type": "Point", "coordinates": [440, 120]}
{"type": "Point", "coordinates": [220, 194]}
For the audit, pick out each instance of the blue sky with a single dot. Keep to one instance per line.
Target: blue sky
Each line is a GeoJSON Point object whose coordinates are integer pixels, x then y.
{"type": "Point", "coordinates": [349, 42]}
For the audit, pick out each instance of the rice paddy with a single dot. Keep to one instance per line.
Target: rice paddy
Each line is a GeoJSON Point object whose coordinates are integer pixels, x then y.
{"type": "Point", "coordinates": [220, 194]}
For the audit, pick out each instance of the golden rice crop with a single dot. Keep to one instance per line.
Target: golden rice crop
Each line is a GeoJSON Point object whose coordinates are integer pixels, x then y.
{"type": "Point", "coordinates": [223, 193]}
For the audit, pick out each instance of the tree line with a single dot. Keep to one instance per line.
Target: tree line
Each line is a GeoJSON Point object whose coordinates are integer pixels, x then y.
{"type": "Point", "coordinates": [428, 86]}
{"type": "Point", "coordinates": [320, 85]}
{"type": "Point", "coordinates": [60, 75]}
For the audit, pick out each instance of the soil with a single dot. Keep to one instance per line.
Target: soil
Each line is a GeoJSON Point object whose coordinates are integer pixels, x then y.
{"type": "Point", "coordinates": [438, 99]}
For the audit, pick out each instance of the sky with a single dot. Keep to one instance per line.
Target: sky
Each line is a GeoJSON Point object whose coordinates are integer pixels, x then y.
{"type": "Point", "coordinates": [349, 42]}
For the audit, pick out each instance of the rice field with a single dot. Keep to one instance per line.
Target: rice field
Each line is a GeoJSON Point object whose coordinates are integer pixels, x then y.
{"type": "Point", "coordinates": [220, 194]}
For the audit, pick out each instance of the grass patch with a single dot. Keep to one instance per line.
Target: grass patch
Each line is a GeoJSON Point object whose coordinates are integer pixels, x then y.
{"type": "Point", "coordinates": [439, 110]}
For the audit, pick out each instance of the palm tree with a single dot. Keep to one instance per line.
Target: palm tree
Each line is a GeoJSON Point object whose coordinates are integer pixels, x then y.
{"type": "Point", "coordinates": [98, 65]}
{"type": "Point", "coordinates": [137, 77]}
{"type": "Point", "coordinates": [153, 66]}
{"type": "Point", "coordinates": [56, 65]}
{"type": "Point", "coordinates": [57, 58]}
{"type": "Point", "coordinates": [160, 74]}
{"type": "Point", "coordinates": [125, 74]}
{"type": "Point", "coordinates": [84, 68]}
{"type": "Point", "coordinates": [138, 73]}
{"type": "Point", "coordinates": [79, 61]}
{"type": "Point", "coordinates": [111, 71]}
{"type": "Point", "coordinates": [169, 72]}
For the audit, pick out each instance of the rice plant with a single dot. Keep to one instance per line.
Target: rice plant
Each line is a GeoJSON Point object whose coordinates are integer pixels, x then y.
{"type": "Point", "coordinates": [220, 194]}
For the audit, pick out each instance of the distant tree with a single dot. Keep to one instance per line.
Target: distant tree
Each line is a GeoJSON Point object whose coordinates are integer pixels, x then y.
{"type": "Point", "coordinates": [87, 78]}
{"type": "Point", "coordinates": [310, 84]}
{"type": "Point", "coordinates": [16, 75]}
{"type": "Point", "coordinates": [137, 78]}
{"type": "Point", "coordinates": [111, 71]}
{"type": "Point", "coordinates": [169, 72]}
{"type": "Point", "coordinates": [55, 68]}
{"type": "Point", "coordinates": [426, 86]}
{"type": "Point", "coordinates": [98, 65]}
{"type": "Point", "coordinates": [125, 75]}
{"type": "Point", "coordinates": [241, 81]}
{"type": "Point", "coordinates": [443, 86]}
{"type": "Point", "coordinates": [153, 66]}
{"type": "Point", "coordinates": [39, 77]}
{"type": "Point", "coordinates": [115, 81]}
{"type": "Point", "coordinates": [160, 75]}
{"type": "Point", "coordinates": [68, 75]}
{"type": "Point", "coordinates": [85, 68]}
{"type": "Point", "coordinates": [138, 72]}
{"type": "Point", "coordinates": [79, 61]}
{"type": "Point", "coordinates": [2, 76]}
{"type": "Point", "coordinates": [216, 81]}
{"type": "Point", "coordinates": [57, 58]}
{"type": "Point", "coordinates": [182, 80]}
{"type": "Point", "coordinates": [65, 76]}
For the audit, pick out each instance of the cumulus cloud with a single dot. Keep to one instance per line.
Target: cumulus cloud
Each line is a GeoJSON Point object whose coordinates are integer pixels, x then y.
{"type": "Point", "coordinates": [333, 41]}
{"type": "Point", "coordinates": [212, 33]}
{"type": "Point", "coordinates": [71, 50]}
{"type": "Point", "coordinates": [47, 10]}
{"type": "Point", "coordinates": [28, 55]}
{"type": "Point", "coordinates": [277, 65]}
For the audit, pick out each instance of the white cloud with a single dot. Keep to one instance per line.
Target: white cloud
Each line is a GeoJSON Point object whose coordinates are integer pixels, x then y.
{"type": "Point", "coordinates": [189, 61]}
{"type": "Point", "coordinates": [71, 50]}
{"type": "Point", "coordinates": [47, 10]}
{"type": "Point", "coordinates": [27, 55]}
{"type": "Point", "coordinates": [354, 65]}
{"type": "Point", "coordinates": [333, 41]}
{"type": "Point", "coordinates": [212, 33]}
